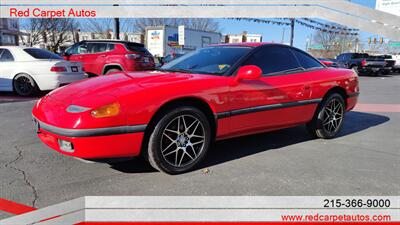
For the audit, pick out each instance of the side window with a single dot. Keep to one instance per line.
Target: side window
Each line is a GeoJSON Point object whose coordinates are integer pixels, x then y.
{"type": "Point", "coordinates": [339, 57]}
{"type": "Point", "coordinates": [82, 49]}
{"type": "Point", "coordinates": [110, 47]}
{"type": "Point", "coordinates": [306, 61]}
{"type": "Point", "coordinates": [274, 59]}
{"type": "Point", "coordinates": [6, 56]}
{"type": "Point", "coordinates": [97, 47]}
{"type": "Point", "coordinates": [78, 49]}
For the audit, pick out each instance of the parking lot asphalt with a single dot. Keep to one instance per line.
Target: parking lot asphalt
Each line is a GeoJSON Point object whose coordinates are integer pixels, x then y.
{"type": "Point", "coordinates": [364, 160]}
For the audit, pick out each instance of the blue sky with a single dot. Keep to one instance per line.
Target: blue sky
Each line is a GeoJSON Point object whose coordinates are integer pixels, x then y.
{"type": "Point", "coordinates": [274, 32]}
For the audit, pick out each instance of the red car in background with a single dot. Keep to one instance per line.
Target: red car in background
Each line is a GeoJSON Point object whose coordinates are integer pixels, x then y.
{"type": "Point", "coordinates": [328, 62]}
{"type": "Point", "coordinates": [101, 57]}
{"type": "Point", "coordinates": [171, 116]}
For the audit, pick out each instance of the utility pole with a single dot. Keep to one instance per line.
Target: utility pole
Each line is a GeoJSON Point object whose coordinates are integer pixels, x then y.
{"type": "Point", "coordinates": [292, 21]}
{"type": "Point", "coordinates": [117, 31]}
{"type": "Point", "coordinates": [283, 35]}
{"type": "Point", "coordinates": [117, 27]}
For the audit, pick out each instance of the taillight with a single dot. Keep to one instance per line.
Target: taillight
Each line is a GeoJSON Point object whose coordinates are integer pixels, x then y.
{"type": "Point", "coordinates": [58, 69]}
{"type": "Point", "coordinates": [132, 56]}
{"type": "Point", "coordinates": [364, 63]}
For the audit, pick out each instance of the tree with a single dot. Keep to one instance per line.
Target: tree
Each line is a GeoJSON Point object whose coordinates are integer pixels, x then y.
{"type": "Point", "coordinates": [334, 44]}
{"type": "Point", "coordinates": [100, 27]}
{"type": "Point", "coordinates": [203, 24]}
{"type": "Point", "coordinates": [52, 32]}
{"type": "Point", "coordinates": [59, 31]}
{"type": "Point", "coordinates": [32, 32]}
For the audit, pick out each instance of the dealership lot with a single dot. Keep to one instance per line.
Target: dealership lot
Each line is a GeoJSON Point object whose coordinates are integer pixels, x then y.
{"type": "Point", "coordinates": [364, 160]}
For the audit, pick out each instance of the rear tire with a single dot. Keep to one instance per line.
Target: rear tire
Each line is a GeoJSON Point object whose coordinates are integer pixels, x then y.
{"type": "Point", "coordinates": [179, 140]}
{"type": "Point", "coordinates": [329, 117]}
{"type": "Point", "coordinates": [25, 85]}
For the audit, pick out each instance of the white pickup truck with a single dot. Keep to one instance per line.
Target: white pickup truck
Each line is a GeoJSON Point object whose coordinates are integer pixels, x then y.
{"type": "Point", "coordinates": [396, 66]}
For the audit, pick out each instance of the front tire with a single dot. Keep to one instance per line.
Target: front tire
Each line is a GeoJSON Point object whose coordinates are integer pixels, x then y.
{"type": "Point", "coordinates": [328, 120]}
{"type": "Point", "coordinates": [25, 85]}
{"type": "Point", "coordinates": [179, 141]}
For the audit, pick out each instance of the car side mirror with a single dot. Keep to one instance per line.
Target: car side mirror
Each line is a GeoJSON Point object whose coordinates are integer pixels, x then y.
{"type": "Point", "coordinates": [249, 72]}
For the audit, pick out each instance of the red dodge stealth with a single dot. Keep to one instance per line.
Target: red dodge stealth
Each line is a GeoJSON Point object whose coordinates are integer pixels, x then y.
{"type": "Point", "coordinates": [172, 115]}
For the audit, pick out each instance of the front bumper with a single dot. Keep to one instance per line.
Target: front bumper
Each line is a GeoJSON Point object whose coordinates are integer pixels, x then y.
{"type": "Point", "coordinates": [113, 142]}
{"type": "Point", "coordinates": [352, 100]}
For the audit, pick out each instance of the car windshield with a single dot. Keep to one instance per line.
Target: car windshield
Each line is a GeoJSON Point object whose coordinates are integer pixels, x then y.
{"type": "Point", "coordinates": [41, 54]}
{"type": "Point", "coordinates": [211, 60]}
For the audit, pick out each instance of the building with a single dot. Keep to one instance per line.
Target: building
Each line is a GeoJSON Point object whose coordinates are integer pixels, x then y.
{"type": "Point", "coordinates": [9, 31]}
{"type": "Point", "coordinates": [244, 37]}
{"type": "Point", "coordinates": [164, 40]}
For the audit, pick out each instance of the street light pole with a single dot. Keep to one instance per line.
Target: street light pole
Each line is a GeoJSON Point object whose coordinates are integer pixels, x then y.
{"type": "Point", "coordinates": [117, 27]}
{"type": "Point", "coordinates": [292, 21]}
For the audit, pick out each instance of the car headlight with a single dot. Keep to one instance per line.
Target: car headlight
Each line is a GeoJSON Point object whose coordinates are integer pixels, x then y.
{"type": "Point", "coordinates": [106, 111]}
{"type": "Point", "coordinates": [77, 109]}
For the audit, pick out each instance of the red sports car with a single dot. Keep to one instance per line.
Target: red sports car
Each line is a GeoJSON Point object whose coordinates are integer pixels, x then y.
{"type": "Point", "coordinates": [172, 115]}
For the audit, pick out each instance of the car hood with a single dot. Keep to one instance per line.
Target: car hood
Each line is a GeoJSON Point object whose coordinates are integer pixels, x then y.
{"type": "Point", "coordinates": [114, 86]}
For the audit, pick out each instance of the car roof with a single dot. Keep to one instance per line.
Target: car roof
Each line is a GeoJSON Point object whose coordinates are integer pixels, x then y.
{"type": "Point", "coordinates": [19, 54]}
{"type": "Point", "coordinates": [112, 40]}
{"type": "Point", "coordinates": [13, 47]}
{"type": "Point", "coordinates": [247, 44]}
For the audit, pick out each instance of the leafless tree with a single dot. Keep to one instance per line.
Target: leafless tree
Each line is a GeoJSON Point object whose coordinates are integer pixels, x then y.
{"type": "Point", "coordinates": [60, 31]}
{"type": "Point", "coordinates": [336, 43]}
{"type": "Point", "coordinates": [203, 24]}
{"type": "Point", "coordinates": [32, 32]}
{"type": "Point", "coordinates": [53, 32]}
{"type": "Point", "coordinates": [100, 27]}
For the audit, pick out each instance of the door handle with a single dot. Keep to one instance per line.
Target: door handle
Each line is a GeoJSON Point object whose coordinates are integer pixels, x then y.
{"type": "Point", "coordinates": [103, 56]}
{"type": "Point", "coordinates": [307, 87]}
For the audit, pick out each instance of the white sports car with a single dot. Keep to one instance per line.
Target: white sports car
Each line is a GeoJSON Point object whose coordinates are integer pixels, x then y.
{"type": "Point", "coordinates": [27, 70]}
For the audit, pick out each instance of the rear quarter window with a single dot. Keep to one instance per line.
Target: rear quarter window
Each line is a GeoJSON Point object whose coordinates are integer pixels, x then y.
{"type": "Point", "coordinates": [306, 61]}
{"type": "Point", "coordinates": [41, 54]}
{"type": "Point", "coordinates": [136, 47]}
{"type": "Point", "coordinates": [6, 56]}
